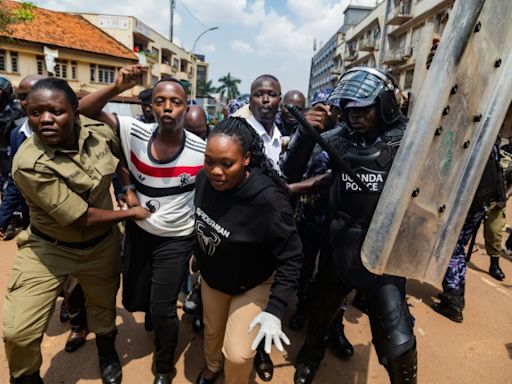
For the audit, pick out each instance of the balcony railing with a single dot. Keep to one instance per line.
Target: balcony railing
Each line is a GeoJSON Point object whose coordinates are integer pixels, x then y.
{"type": "Point", "coordinates": [165, 68]}
{"type": "Point", "coordinates": [400, 14]}
{"type": "Point", "coordinates": [397, 56]}
{"type": "Point", "coordinates": [369, 45]}
{"type": "Point", "coordinates": [350, 56]}
{"type": "Point", "coordinates": [152, 57]}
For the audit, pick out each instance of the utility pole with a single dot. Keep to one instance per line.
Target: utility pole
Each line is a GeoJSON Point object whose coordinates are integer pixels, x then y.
{"type": "Point", "coordinates": [171, 25]}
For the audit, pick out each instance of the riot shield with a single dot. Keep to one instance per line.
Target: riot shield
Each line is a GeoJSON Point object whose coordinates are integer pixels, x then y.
{"type": "Point", "coordinates": [452, 129]}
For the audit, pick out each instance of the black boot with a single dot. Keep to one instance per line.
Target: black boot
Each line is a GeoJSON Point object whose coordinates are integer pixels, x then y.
{"type": "Point", "coordinates": [76, 339]}
{"type": "Point", "coordinates": [110, 366]}
{"type": "Point", "coordinates": [495, 270]}
{"type": "Point", "coordinates": [263, 363]}
{"type": "Point", "coordinates": [402, 370]}
{"type": "Point", "coordinates": [78, 321]}
{"type": "Point", "coordinates": [34, 378]}
{"type": "Point", "coordinates": [163, 378]}
{"type": "Point", "coordinates": [451, 304]}
{"type": "Point", "coordinates": [337, 340]}
{"type": "Point", "coordinates": [308, 361]}
{"type": "Point", "coordinates": [63, 315]}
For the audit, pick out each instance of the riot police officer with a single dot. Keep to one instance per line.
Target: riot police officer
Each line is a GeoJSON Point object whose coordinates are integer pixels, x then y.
{"type": "Point", "coordinates": [368, 143]}
{"type": "Point", "coordinates": [10, 112]}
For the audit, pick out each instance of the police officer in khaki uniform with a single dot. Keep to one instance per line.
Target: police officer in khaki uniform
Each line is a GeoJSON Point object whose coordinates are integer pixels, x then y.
{"type": "Point", "coordinates": [64, 172]}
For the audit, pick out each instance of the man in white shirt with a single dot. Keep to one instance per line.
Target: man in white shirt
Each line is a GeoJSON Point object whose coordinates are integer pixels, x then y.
{"type": "Point", "coordinates": [162, 162]}
{"type": "Point", "coordinates": [264, 104]}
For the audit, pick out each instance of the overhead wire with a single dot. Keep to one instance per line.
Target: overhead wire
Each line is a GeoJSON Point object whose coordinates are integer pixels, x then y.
{"type": "Point", "coordinates": [193, 16]}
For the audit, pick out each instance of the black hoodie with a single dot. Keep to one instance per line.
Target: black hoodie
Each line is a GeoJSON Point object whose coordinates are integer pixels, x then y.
{"type": "Point", "coordinates": [246, 234]}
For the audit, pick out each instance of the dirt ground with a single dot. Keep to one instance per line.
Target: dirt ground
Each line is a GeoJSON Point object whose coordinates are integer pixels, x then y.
{"type": "Point", "coordinates": [477, 351]}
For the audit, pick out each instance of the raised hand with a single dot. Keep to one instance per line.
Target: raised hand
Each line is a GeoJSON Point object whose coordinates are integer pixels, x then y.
{"type": "Point", "coordinates": [127, 76]}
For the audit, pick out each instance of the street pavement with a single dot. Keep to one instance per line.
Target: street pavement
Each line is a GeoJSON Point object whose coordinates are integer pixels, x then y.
{"type": "Point", "coordinates": [477, 351]}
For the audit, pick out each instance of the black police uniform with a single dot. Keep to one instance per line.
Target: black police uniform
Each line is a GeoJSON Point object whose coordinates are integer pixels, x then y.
{"type": "Point", "coordinates": [351, 211]}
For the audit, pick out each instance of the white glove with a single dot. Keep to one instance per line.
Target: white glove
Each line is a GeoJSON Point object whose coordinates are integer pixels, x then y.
{"type": "Point", "coordinates": [270, 329]}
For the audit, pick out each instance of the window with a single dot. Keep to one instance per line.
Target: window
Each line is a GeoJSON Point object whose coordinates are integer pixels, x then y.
{"type": "Point", "coordinates": [92, 73]}
{"type": "Point", "coordinates": [40, 65]}
{"type": "Point", "coordinates": [106, 74]}
{"type": "Point", "coordinates": [73, 70]}
{"type": "Point", "coordinates": [2, 61]}
{"type": "Point", "coordinates": [201, 73]}
{"type": "Point", "coordinates": [175, 63]}
{"type": "Point", "coordinates": [376, 32]}
{"type": "Point", "coordinates": [14, 62]}
{"type": "Point", "coordinates": [415, 37]}
{"type": "Point", "coordinates": [154, 80]}
{"type": "Point", "coordinates": [440, 22]}
{"type": "Point", "coordinates": [409, 75]}
{"type": "Point", "coordinates": [401, 40]}
{"type": "Point", "coordinates": [61, 69]}
{"type": "Point", "coordinates": [183, 66]}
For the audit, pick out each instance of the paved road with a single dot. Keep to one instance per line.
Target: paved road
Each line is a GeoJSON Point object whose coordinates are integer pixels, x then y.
{"type": "Point", "coordinates": [477, 351]}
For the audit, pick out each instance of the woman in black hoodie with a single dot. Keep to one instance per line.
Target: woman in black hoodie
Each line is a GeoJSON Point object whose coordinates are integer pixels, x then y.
{"type": "Point", "coordinates": [248, 250]}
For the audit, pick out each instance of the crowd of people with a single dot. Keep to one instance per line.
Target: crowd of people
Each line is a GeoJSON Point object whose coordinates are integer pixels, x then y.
{"type": "Point", "coordinates": [254, 204]}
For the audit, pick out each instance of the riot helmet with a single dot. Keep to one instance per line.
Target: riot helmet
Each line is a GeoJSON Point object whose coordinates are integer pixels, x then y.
{"type": "Point", "coordinates": [6, 88]}
{"type": "Point", "coordinates": [364, 86]}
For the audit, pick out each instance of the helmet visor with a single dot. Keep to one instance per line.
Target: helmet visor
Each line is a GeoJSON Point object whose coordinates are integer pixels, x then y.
{"type": "Point", "coordinates": [5, 85]}
{"type": "Point", "coordinates": [361, 85]}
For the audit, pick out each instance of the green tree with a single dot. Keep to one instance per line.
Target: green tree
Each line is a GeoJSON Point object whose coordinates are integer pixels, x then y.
{"type": "Point", "coordinates": [24, 13]}
{"type": "Point", "coordinates": [205, 89]}
{"type": "Point", "coordinates": [228, 87]}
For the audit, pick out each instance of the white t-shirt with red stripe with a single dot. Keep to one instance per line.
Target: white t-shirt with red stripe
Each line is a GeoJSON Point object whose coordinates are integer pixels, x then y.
{"type": "Point", "coordinates": [166, 188]}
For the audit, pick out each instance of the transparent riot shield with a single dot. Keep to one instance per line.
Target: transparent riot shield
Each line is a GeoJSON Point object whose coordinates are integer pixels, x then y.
{"type": "Point", "coordinates": [452, 129]}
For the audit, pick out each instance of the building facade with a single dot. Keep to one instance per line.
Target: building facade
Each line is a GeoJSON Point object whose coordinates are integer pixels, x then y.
{"type": "Point", "coordinates": [388, 36]}
{"type": "Point", "coordinates": [326, 64]}
{"type": "Point", "coordinates": [202, 68]}
{"type": "Point", "coordinates": [162, 57]}
{"type": "Point", "coordinates": [406, 22]}
{"type": "Point", "coordinates": [65, 46]}
{"type": "Point", "coordinates": [363, 40]}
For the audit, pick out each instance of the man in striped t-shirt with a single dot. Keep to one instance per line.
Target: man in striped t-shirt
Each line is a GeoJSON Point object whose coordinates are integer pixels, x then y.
{"type": "Point", "coordinates": [162, 160]}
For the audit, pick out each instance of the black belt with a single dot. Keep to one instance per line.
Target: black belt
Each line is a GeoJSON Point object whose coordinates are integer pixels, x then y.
{"type": "Point", "coordinates": [83, 244]}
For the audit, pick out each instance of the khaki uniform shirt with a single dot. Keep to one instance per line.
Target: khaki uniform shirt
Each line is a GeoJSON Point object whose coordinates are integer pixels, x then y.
{"type": "Point", "coordinates": [59, 185]}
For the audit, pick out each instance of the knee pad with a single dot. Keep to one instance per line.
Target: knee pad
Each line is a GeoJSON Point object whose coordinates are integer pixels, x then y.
{"type": "Point", "coordinates": [391, 323]}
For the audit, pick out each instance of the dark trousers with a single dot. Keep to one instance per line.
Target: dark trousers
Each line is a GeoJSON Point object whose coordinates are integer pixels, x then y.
{"type": "Point", "coordinates": [455, 277]}
{"type": "Point", "coordinates": [74, 302]}
{"type": "Point", "coordinates": [154, 270]}
{"type": "Point", "coordinates": [311, 236]}
{"type": "Point", "coordinates": [330, 294]}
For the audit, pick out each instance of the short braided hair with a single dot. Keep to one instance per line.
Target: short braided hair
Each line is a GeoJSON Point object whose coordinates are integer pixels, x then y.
{"type": "Point", "coordinates": [250, 142]}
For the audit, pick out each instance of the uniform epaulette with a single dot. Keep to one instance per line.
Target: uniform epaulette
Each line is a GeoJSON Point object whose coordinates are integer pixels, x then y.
{"type": "Point", "coordinates": [98, 128]}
